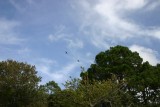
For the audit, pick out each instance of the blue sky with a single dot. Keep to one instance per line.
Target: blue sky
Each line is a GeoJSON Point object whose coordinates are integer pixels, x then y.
{"type": "Point", "coordinates": [40, 31]}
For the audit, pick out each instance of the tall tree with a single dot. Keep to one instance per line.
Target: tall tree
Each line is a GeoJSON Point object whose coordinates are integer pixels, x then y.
{"type": "Point", "coordinates": [118, 60]}
{"type": "Point", "coordinates": [141, 80]}
{"type": "Point", "coordinates": [18, 84]}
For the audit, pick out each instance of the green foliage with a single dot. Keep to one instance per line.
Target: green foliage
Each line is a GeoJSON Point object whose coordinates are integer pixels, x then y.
{"type": "Point", "coordinates": [89, 95]}
{"type": "Point", "coordinates": [119, 61]}
{"type": "Point", "coordinates": [118, 78]}
{"type": "Point", "coordinates": [52, 88]}
{"type": "Point", "coordinates": [18, 84]}
{"type": "Point", "coordinates": [147, 84]}
{"type": "Point", "coordinates": [141, 79]}
{"type": "Point", "coordinates": [72, 84]}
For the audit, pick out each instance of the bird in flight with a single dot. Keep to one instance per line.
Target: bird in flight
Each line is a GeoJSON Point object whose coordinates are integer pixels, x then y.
{"type": "Point", "coordinates": [73, 56]}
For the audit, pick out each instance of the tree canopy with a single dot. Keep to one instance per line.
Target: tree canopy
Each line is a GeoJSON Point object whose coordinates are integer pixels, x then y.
{"type": "Point", "coordinates": [140, 78]}
{"type": "Point", "coordinates": [118, 78]}
{"type": "Point", "coordinates": [119, 60]}
{"type": "Point", "coordinates": [18, 83]}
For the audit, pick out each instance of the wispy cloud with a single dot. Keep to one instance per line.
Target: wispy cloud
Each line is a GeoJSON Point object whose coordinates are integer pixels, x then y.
{"type": "Point", "coordinates": [58, 74]}
{"type": "Point", "coordinates": [62, 35]}
{"type": "Point", "coordinates": [58, 35]}
{"type": "Point", "coordinates": [106, 21]}
{"type": "Point", "coordinates": [74, 43]}
{"type": "Point", "coordinates": [54, 37]}
{"type": "Point", "coordinates": [155, 32]}
{"type": "Point", "coordinates": [7, 33]}
{"type": "Point", "coordinates": [152, 5]}
{"type": "Point", "coordinates": [89, 26]}
{"type": "Point", "coordinates": [22, 6]}
{"type": "Point", "coordinates": [147, 54]}
{"type": "Point", "coordinates": [17, 6]}
{"type": "Point", "coordinates": [23, 51]}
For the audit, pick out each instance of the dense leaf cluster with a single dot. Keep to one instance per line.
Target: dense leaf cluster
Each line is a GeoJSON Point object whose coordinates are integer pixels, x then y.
{"type": "Point", "coordinates": [141, 80]}
{"type": "Point", "coordinates": [18, 84]}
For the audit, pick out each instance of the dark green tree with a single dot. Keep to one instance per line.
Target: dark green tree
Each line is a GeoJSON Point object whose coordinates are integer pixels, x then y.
{"type": "Point", "coordinates": [18, 84]}
{"type": "Point", "coordinates": [119, 61]}
{"type": "Point", "coordinates": [146, 84]}
{"type": "Point", "coordinates": [140, 80]}
{"type": "Point", "coordinates": [52, 89]}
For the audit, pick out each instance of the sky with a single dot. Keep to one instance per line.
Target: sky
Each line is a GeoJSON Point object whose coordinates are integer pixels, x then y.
{"type": "Point", "coordinates": [40, 32]}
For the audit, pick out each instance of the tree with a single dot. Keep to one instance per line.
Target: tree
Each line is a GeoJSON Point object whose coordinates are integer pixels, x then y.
{"type": "Point", "coordinates": [117, 78]}
{"type": "Point", "coordinates": [18, 84]}
{"type": "Point", "coordinates": [119, 61]}
{"type": "Point", "coordinates": [95, 94]}
{"type": "Point", "coordinates": [141, 80]}
{"type": "Point", "coordinates": [52, 88]}
{"type": "Point", "coordinates": [147, 85]}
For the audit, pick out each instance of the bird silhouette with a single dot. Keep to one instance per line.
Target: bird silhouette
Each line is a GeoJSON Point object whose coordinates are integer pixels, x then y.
{"type": "Point", "coordinates": [72, 56]}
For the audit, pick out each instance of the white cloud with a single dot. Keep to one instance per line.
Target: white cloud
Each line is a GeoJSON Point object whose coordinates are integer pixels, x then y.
{"type": "Point", "coordinates": [7, 33]}
{"type": "Point", "coordinates": [44, 67]}
{"type": "Point", "coordinates": [59, 76]}
{"type": "Point", "coordinates": [105, 21]}
{"type": "Point", "coordinates": [74, 43]}
{"type": "Point", "coordinates": [155, 33]}
{"type": "Point", "coordinates": [135, 4]}
{"type": "Point", "coordinates": [65, 71]}
{"type": "Point", "coordinates": [71, 41]}
{"type": "Point", "coordinates": [52, 70]}
{"type": "Point", "coordinates": [147, 54]}
{"type": "Point", "coordinates": [44, 64]}
{"type": "Point", "coordinates": [52, 37]}
{"type": "Point", "coordinates": [61, 35]}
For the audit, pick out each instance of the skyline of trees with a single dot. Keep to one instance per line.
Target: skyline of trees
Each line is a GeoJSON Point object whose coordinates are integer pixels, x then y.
{"type": "Point", "coordinates": [119, 77]}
